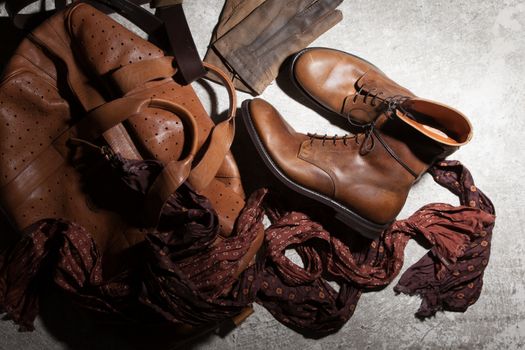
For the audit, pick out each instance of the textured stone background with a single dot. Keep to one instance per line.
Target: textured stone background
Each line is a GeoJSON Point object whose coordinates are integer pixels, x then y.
{"type": "Point", "coordinates": [469, 54]}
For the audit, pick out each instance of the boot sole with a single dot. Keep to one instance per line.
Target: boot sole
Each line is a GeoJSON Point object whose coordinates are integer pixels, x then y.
{"type": "Point", "coordinates": [304, 92]}
{"type": "Point", "coordinates": [361, 225]}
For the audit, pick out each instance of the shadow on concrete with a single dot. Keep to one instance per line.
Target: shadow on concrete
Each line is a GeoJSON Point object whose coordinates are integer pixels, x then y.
{"type": "Point", "coordinates": [82, 330]}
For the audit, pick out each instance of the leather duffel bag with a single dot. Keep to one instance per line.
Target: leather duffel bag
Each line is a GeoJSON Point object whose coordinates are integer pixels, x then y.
{"type": "Point", "coordinates": [96, 131]}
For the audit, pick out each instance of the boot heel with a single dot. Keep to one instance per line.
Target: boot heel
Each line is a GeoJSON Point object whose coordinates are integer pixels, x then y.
{"type": "Point", "coordinates": [364, 228]}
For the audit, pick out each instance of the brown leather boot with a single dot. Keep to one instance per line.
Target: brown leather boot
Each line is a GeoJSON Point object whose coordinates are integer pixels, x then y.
{"type": "Point", "coordinates": [348, 85]}
{"type": "Point", "coordinates": [365, 178]}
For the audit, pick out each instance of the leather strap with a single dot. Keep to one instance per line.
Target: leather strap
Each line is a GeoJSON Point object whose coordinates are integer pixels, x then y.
{"type": "Point", "coordinates": [180, 39]}
{"type": "Point", "coordinates": [175, 172]}
{"type": "Point", "coordinates": [162, 3]}
{"type": "Point", "coordinates": [220, 139]}
{"type": "Point", "coordinates": [167, 182]}
{"type": "Point", "coordinates": [105, 117]}
{"type": "Point", "coordinates": [137, 74]}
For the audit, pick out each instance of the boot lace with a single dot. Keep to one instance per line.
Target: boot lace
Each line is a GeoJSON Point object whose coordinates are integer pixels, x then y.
{"type": "Point", "coordinates": [371, 96]}
{"type": "Point", "coordinates": [366, 144]}
{"type": "Point", "coordinates": [391, 105]}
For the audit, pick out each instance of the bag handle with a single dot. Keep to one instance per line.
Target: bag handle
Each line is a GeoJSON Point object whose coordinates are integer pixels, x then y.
{"type": "Point", "coordinates": [219, 140]}
{"type": "Point", "coordinates": [175, 172]}
{"type": "Point", "coordinates": [106, 121]}
{"type": "Point", "coordinates": [168, 25]}
{"type": "Point", "coordinates": [128, 77]}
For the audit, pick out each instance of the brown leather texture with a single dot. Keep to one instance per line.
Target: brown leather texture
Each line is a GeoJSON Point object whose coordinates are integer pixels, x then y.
{"type": "Point", "coordinates": [333, 79]}
{"type": "Point", "coordinates": [360, 172]}
{"type": "Point", "coordinates": [355, 88]}
{"type": "Point", "coordinates": [82, 81]}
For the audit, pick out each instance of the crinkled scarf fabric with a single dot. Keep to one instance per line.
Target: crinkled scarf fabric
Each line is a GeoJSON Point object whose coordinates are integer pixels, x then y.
{"type": "Point", "coordinates": [190, 276]}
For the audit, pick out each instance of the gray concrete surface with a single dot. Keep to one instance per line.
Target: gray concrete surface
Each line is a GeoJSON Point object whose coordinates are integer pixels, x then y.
{"type": "Point", "coordinates": [469, 54]}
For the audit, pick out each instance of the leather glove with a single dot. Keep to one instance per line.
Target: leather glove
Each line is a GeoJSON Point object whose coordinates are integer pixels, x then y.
{"type": "Point", "coordinates": [254, 37]}
{"type": "Point", "coordinates": [233, 12]}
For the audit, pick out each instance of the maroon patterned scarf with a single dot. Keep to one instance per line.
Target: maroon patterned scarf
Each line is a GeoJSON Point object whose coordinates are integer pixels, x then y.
{"type": "Point", "coordinates": [189, 277]}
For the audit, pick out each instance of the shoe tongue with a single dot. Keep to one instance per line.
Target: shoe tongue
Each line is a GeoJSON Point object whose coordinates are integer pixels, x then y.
{"type": "Point", "coordinates": [375, 82]}
{"type": "Point", "coordinates": [104, 44]}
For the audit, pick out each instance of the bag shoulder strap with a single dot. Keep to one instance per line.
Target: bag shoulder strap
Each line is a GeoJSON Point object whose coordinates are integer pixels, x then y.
{"type": "Point", "coordinates": [180, 40]}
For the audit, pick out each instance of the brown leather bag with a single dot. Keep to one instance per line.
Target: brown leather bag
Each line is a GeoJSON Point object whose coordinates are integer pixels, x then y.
{"type": "Point", "coordinates": [82, 82]}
